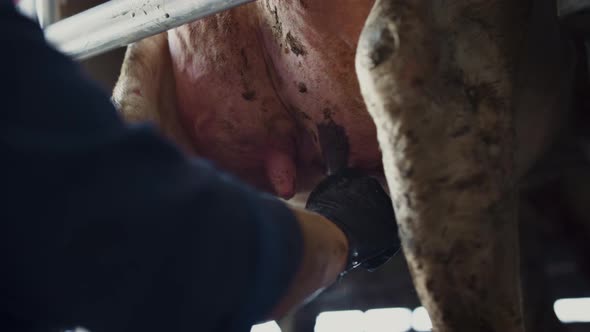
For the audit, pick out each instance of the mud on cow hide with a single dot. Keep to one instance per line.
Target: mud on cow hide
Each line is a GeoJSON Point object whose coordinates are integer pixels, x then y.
{"type": "Point", "coordinates": [253, 87]}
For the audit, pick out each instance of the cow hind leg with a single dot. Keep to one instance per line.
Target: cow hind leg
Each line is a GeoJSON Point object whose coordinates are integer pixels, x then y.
{"type": "Point", "coordinates": [437, 79]}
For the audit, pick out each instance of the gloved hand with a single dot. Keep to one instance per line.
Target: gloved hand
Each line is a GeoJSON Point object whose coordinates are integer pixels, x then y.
{"type": "Point", "coordinates": [362, 209]}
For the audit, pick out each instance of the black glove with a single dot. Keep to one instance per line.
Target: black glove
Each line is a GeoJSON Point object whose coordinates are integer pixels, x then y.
{"type": "Point", "coordinates": [363, 210]}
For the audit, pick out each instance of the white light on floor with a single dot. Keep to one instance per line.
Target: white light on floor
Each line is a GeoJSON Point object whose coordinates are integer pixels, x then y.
{"type": "Point", "coordinates": [388, 320]}
{"type": "Point", "coordinates": [341, 321]}
{"type": "Point", "coordinates": [421, 320]}
{"type": "Point", "coordinates": [27, 7]}
{"type": "Point", "coordinates": [271, 326]}
{"type": "Point", "coordinates": [573, 310]}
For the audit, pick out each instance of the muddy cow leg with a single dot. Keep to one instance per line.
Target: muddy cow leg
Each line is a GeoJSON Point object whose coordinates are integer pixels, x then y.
{"type": "Point", "coordinates": [437, 79]}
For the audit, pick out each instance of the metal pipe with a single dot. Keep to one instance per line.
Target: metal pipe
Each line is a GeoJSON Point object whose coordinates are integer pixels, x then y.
{"type": "Point", "coordinates": [47, 12]}
{"type": "Point", "coordinates": [118, 23]}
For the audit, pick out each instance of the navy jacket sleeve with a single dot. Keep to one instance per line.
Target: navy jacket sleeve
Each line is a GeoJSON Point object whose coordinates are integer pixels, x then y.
{"type": "Point", "coordinates": [110, 227]}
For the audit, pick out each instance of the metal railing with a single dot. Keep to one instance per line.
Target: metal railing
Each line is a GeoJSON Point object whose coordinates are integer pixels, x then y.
{"type": "Point", "coordinates": [118, 23]}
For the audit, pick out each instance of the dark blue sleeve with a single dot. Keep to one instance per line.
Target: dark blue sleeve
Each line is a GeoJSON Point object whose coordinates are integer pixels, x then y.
{"type": "Point", "coordinates": [110, 227]}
